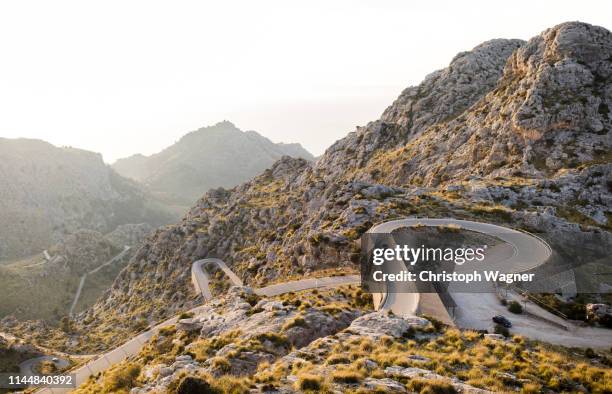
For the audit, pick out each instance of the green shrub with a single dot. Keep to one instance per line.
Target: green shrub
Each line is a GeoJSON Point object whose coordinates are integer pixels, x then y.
{"type": "Point", "coordinates": [436, 324]}
{"type": "Point", "coordinates": [410, 332]}
{"type": "Point", "coordinates": [254, 311]}
{"type": "Point", "coordinates": [251, 299]}
{"type": "Point", "coordinates": [194, 385]}
{"type": "Point", "coordinates": [515, 307]}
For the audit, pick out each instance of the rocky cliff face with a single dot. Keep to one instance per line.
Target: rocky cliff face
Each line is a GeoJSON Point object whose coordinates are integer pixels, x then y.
{"type": "Point", "coordinates": [49, 192]}
{"type": "Point", "coordinates": [220, 155]}
{"type": "Point", "coordinates": [512, 132]}
{"type": "Point", "coordinates": [443, 95]}
{"type": "Point", "coordinates": [548, 113]}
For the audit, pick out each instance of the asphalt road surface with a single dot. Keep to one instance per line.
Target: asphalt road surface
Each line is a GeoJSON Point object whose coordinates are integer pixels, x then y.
{"type": "Point", "coordinates": [27, 367]}
{"type": "Point", "coordinates": [525, 252]}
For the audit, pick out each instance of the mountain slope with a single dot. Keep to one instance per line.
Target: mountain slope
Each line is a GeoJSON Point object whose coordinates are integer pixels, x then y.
{"type": "Point", "coordinates": [49, 192]}
{"type": "Point", "coordinates": [220, 155]}
{"type": "Point", "coordinates": [298, 343]}
{"type": "Point", "coordinates": [55, 281]}
{"type": "Point", "coordinates": [478, 159]}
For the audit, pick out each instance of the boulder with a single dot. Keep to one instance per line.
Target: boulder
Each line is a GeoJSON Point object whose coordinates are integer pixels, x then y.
{"type": "Point", "coordinates": [495, 337]}
{"type": "Point", "coordinates": [380, 323]}
{"type": "Point", "coordinates": [189, 325]}
{"type": "Point", "coordinates": [385, 385]}
{"type": "Point", "coordinates": [411, 373]}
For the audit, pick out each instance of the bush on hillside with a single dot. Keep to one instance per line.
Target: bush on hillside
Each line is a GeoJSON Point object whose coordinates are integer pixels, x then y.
{"type": "Point", "coordinates": [122, 379]}
{"type": "Point", "coordinates": [194, 385]}
{"type": "Point", "coordinates": [515, 307]}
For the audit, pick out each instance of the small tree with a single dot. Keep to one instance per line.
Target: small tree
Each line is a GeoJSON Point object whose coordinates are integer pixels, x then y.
{"type": "Point", "coordinates": [515, 307]}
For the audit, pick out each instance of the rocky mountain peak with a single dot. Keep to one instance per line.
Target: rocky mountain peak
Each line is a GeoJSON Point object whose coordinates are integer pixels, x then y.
{"type": "Point", "coordinates": [224, 127]}
{"type": "Point", "coordinates": [548, 111]}
{"type": "Point", "coordinates": [449, 91]}
{"type": "Point", "coordinates": [443, 95]}
{"type": "Point", "coordinates": [565, 74]}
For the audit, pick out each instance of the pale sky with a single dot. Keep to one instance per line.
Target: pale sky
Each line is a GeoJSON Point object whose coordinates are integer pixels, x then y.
{"type": "Point", "coordinates": [125, 77]}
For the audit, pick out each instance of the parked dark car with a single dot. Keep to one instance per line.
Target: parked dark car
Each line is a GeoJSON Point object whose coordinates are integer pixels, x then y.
{"type": "Point", "coordinates": [502, 320]}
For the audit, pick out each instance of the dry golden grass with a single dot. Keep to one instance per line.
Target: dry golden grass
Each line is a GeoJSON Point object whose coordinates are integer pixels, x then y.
{"type": "Point", "coordinates": [450, 352]}
{"type": "Point", "coordinates": [347, 375]}
{"type": "Point", "coordinates": [516, 364]}
{"type": "Point", "coordinates": [308, 382]}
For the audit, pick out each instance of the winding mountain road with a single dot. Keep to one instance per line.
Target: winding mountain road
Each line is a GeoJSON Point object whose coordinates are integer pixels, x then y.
{"type": "Point", "coordinates": [27, 367]}
{"type": "Point", "coordinates": [200, 280]}
{"type": "Point", "coordinates": [201, 284]}
{"type": "Point", "coordinates": [305, 284]}
{"type": "Point", "coordinates": [527, 251]}
{"type": "Point", "coordinates": [93, 271]}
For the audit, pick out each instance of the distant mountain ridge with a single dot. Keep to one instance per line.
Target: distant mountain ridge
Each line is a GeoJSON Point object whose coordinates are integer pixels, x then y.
{"type": "Point", "coordinates": [217, 156]}
{"type": "Point", "coordinates": [49, 192]}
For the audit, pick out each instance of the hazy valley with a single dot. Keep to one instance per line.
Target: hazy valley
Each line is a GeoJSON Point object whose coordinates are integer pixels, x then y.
{"type": "Point", "coordinates": [49, 192]}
